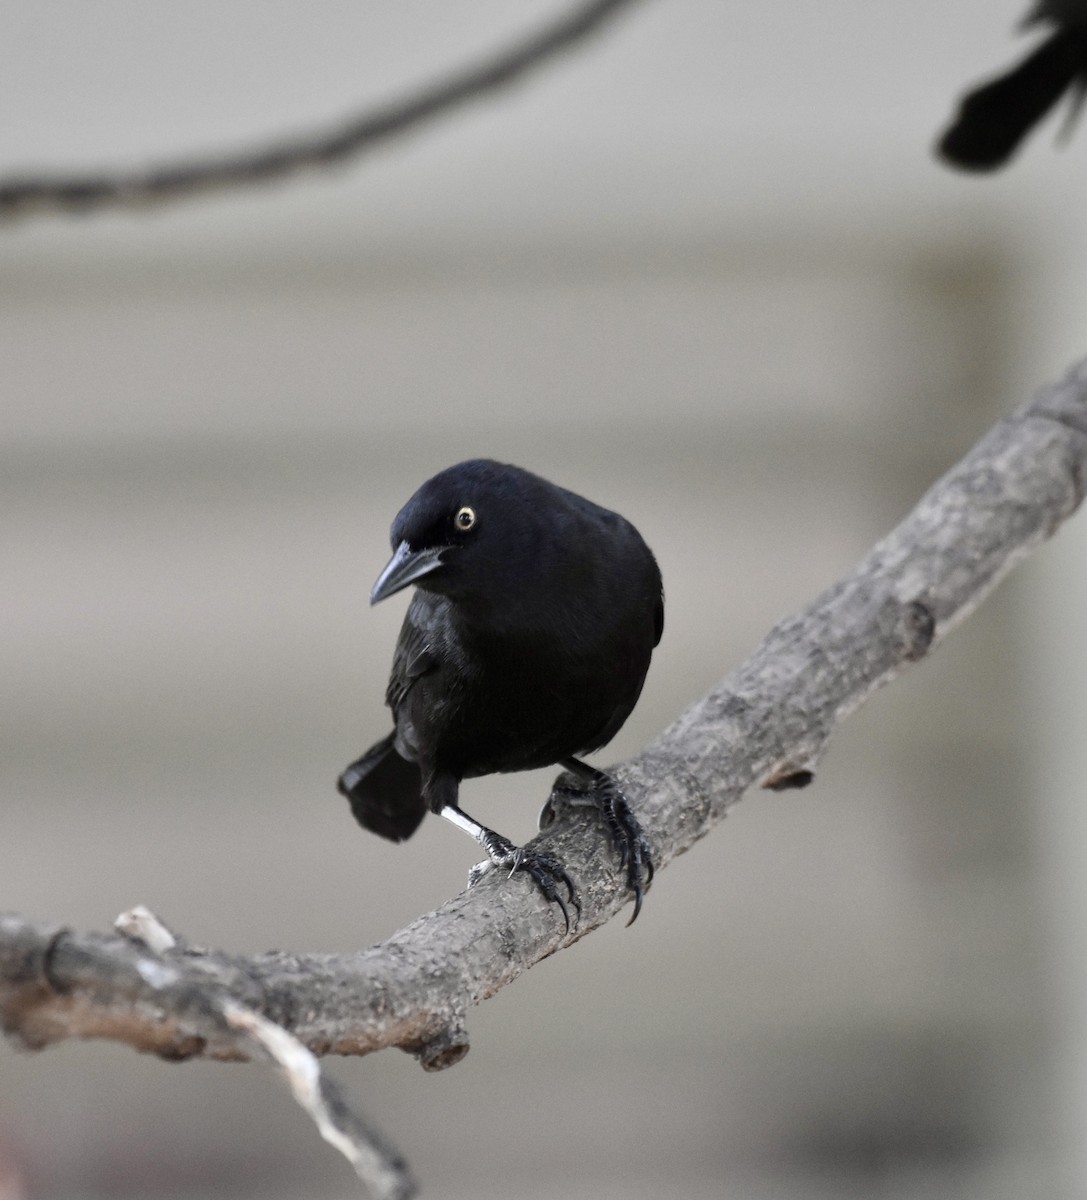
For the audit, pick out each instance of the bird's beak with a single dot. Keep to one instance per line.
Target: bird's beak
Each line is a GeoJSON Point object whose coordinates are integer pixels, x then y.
{"type": "Point", "coordinates": [405, 566]}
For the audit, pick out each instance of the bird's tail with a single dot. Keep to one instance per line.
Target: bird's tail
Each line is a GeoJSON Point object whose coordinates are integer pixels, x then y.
{"type": "Point", "coordinates": [994, 118]}
{"type": "Point", "coordinates": [385, 792]}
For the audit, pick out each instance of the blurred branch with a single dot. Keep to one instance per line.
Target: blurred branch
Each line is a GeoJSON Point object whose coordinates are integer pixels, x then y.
{"type": "Point", "coordinates": [27, 196]}
{"type": "Point", "coordinates": [768, 722]}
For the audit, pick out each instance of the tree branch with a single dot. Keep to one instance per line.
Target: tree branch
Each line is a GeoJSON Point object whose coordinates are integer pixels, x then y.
{"type": "Point", "coordinates": [768, 723]}
{"type": "Point", "coordinates": [376, 1162]}
{"type": "Point", "coordinates": [27, 196]}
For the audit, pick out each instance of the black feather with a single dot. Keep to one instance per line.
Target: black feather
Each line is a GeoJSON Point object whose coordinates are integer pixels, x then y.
{"type": "Point", "coordinates": [385, 792]}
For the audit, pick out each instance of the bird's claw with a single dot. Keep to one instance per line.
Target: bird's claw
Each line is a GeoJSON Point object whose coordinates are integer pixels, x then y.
{"type": "Point", "coordinates": [548, 873]}
{"type": "Point", "coordinates": [545, 870]}
{"type": "Point", "coordinates": [568, 791]}
{"type": "Point", "coordinates": [603, 794]}
{"type": "Point", "coordinates": [629, 840]}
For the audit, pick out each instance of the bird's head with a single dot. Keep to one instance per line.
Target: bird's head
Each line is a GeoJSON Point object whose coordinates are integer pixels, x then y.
{"type": "Point", "coordinates": [463, 531]}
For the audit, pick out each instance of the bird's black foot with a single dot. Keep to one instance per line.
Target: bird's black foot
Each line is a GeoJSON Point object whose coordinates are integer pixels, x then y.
{"type": "Point", "coordinates": [584, 786]}
{"type": "Point", "coordinates": [546, 871]}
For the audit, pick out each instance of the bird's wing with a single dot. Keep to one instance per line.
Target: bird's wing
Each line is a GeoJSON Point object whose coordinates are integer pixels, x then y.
{"type": "Point", "coordinates": [412, 659]}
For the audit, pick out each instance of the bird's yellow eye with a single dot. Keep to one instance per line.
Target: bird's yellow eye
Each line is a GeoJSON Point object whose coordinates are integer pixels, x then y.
{"type": "Point", "coordinates": [465, 519]}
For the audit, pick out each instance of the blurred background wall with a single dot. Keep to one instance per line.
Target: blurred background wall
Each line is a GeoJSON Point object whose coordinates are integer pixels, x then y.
{"type": "Point", "coordinates": [706, 271]}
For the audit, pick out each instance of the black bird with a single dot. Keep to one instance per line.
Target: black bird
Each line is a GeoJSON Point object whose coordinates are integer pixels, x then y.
{"type": "Point", "coordinates": [526, 643]}
{"type": "Point", "coordinates": [994, 118]}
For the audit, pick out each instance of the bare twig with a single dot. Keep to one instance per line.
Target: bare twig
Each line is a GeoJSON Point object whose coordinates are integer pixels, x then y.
{"type": "Point", "coordinates": [377, 1164]}
{"type": "Point", "coordinates": [81, 193]}
{"type": "Point", "coordinates": [768, 723]}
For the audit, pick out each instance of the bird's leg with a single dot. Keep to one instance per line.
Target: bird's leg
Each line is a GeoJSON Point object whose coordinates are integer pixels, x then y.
{"type": "Point", "coordinates": [546, 870]}
{"type": "Point", "coordinates": [601, 792]}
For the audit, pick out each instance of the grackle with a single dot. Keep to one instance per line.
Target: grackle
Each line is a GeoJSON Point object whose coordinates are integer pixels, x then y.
{"type": "Point", "coordinates": [995, 117]}
{"type": "Point", "coordinates": [526, 643]}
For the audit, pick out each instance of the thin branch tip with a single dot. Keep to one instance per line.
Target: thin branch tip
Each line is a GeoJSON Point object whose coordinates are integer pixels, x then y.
{"type": "Point", "coordinates": [25, 196]}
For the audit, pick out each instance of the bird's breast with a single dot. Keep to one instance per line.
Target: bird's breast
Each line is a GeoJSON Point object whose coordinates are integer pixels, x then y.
{"type": "Point", "coordinates": [515, 703]}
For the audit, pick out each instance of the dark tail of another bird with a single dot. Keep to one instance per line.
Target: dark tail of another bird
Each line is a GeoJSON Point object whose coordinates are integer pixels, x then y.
{"type": "Point", "coordinates": [385, 792]}
{"type": "Point", "coordinates": [994, 119]}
